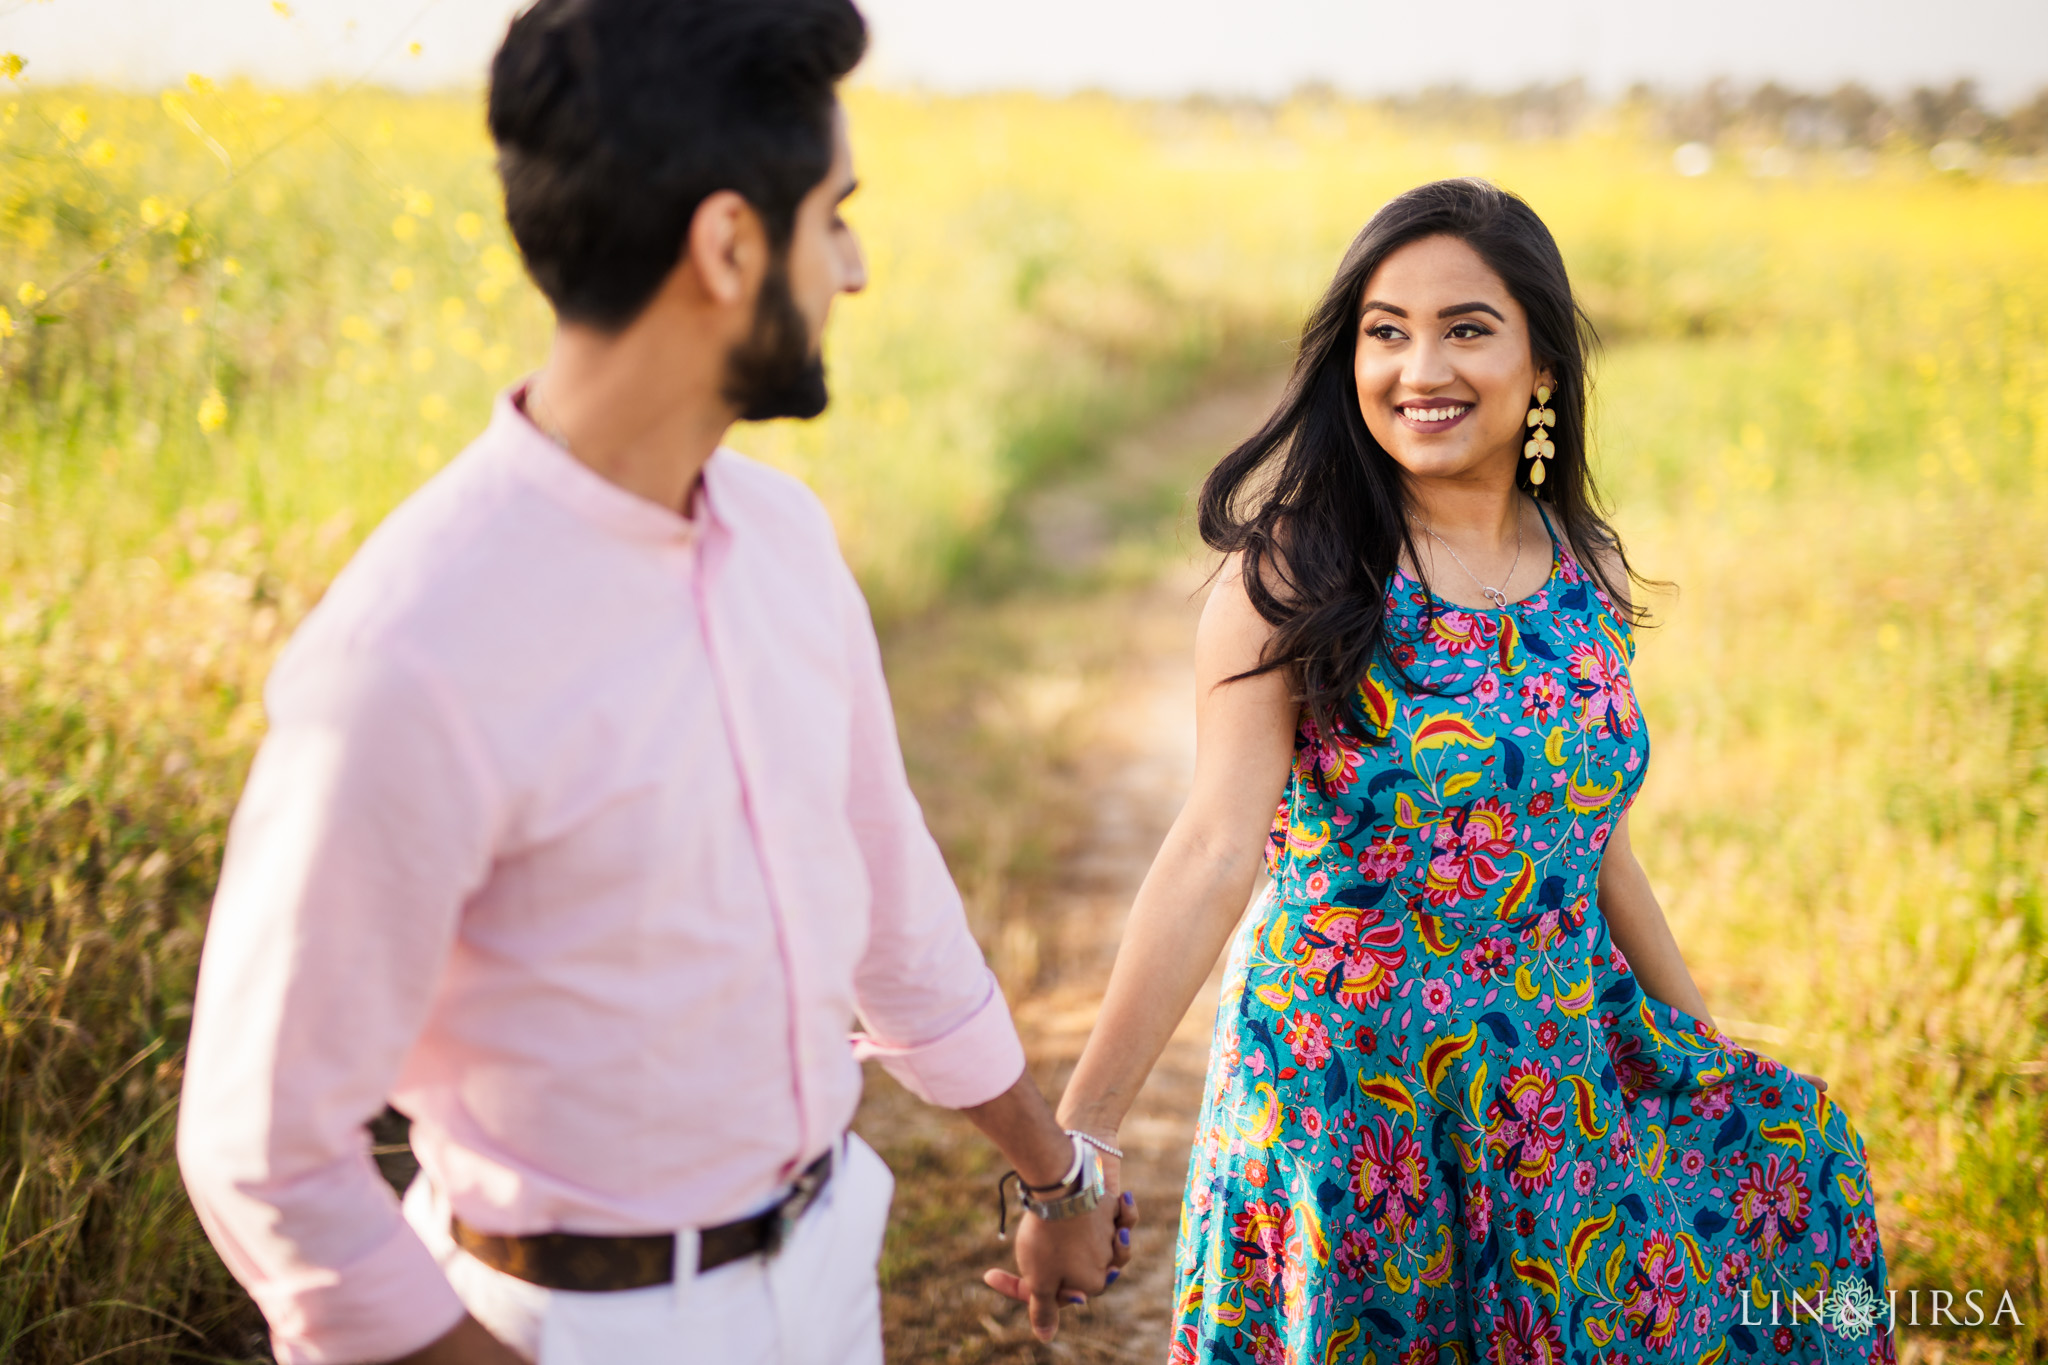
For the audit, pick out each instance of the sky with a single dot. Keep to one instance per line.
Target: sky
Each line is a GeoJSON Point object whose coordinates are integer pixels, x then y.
{"type": "Point", "coordinates": [1138, 47]}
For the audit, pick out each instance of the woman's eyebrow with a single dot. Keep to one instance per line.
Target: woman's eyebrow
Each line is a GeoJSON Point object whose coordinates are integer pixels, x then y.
{"type": "Point", "coordinates": [1373, 304]}
{"type": "Point", "coordinates": [1474, 307]}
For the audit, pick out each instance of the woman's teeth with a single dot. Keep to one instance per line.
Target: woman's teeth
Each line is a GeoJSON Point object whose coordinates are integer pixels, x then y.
{"type": "Point", "coordinates": [1443, 414]}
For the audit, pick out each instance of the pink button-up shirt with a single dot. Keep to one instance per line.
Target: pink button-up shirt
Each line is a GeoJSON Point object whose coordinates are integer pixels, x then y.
{"type": "Point", "coordinates": [582, 833]}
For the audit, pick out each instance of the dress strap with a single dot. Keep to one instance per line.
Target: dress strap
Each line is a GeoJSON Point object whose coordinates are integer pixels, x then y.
{"type": "Point", "coordinates": [1549, 530]}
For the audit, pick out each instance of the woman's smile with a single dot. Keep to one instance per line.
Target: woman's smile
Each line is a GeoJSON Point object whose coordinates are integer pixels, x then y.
{"type": "Point", "coordinates": [1432, 415]}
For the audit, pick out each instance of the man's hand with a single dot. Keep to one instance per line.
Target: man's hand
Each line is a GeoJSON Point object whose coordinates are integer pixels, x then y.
{"type": "Point", "coordinates": [466, 1344]}
{"type": "Point", "coordinates": [1063, 1263]}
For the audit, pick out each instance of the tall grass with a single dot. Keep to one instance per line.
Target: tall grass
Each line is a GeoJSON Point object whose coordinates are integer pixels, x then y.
{"type": "Point", "coordinates": [1825, 414]}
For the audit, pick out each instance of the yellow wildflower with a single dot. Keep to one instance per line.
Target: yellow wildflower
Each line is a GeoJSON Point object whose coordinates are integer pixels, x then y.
{"type": "Point", "coordinates": [414, 49]}
{"type": "Point", "coordinates": [401, 279]}
{"type": "Point", "coordinates": [11, 64]}
{"type": "Point", "coordinates": [404, 227]}
{"type": "Point", "coordinates": [419, 203]}
{"type": "Point", "coordinates": [469, 226]}
{"type": "Point", "coordinates": [191, 314]}
{"type": "Point", "coordinates": [357, 328]}
{"type": "Point", "coordinates": [99, 154]}
{"type": "Point", "coordinates": [153, 211]}
{"type": "Point", "coordinates": [283, 10]}
{"type": "Point", "coordinates": [231, 268]}
{"type": "Point", "coordinates": [199, 84]}
{"type": "Point", "coordinates": [29, 295]}
{"type": "Point", "coordinates": [74, 122]}
{"type": "Point", "coordinates": [434, 408]}
{"type": "Point", "coordinates": [453, 310]}
{"type": "Point", "coordinates": [6, 324]}
{"type": "Point", "coordinates": [213, 411]}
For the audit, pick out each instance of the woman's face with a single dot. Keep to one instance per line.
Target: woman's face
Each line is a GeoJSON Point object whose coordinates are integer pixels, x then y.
{"type": "Point", "coordinates": [1444, 370]}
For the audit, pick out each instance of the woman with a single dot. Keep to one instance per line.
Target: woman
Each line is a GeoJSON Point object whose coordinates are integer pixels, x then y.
{"type": "Point", "coordinates": [1465, 1101]}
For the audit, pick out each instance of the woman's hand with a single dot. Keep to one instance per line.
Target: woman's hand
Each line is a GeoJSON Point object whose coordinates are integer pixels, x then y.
{"type": "Point", "coordinates": [1064, 1263]}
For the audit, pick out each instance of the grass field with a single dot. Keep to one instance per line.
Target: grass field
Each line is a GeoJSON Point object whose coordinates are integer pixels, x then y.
{"type": "Point", "coordinates": [240, 325]}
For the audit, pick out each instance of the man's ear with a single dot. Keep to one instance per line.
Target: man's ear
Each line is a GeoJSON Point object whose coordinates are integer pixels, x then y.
{"type": "Point", "coordinates": [726, 249]}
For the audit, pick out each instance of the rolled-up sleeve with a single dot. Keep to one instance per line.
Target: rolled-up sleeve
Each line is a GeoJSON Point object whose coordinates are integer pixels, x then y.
{"type": "Point", "coordinates": [365, 826]}
{"type": "Point", "coordinates": [934, 1013]}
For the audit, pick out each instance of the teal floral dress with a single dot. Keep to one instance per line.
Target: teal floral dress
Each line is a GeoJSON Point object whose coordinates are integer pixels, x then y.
{"type": "Point", "coordinates": [1443, 1121]}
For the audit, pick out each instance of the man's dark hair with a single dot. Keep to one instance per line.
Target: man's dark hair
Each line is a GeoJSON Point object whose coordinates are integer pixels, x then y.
{"type": "Point", "coordinates": [615, 119]}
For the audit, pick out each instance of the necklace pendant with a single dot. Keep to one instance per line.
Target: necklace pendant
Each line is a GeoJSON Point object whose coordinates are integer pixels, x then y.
{"type": "Point", "coordinates": [1496, 596]}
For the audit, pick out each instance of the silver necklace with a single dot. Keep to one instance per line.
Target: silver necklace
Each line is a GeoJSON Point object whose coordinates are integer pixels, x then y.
{"type": "Point", "coordinates": [1497, 596]}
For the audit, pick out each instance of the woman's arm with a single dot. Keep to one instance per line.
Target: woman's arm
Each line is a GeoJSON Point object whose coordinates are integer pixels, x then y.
{"type": "Point", "coordinates": [1195, 892]}
{"type": "Point", "coordinates": [1640, 930]}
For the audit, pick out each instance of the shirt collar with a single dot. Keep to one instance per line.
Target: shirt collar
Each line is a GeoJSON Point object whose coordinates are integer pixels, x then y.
{"type": "Point", "coordinates": [536, 458]}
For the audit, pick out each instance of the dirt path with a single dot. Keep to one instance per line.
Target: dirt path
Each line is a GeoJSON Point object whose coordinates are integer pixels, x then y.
{"type": "Point", "coordinates": [1112, 665]}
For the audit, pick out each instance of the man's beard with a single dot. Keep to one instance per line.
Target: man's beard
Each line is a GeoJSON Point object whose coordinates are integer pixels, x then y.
{"type": "Point", "coordinates": [774, 372]}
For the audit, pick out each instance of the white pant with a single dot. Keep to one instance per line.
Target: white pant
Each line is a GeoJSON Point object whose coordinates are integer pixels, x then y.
{"type": "Point", "coordinates": [814, 1303]}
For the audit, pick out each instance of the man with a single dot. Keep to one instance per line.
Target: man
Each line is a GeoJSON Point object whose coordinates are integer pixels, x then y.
{"type": "Point", "coordinates": [581, 831]}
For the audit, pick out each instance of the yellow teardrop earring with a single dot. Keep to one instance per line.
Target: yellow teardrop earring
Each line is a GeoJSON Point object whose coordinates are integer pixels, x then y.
{"type": "Point", "coordinates": [1539, 446]}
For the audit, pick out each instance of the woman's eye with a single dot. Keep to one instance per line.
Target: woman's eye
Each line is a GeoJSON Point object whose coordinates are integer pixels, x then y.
{"type": "Point", "coordinates": [1465, 331]}
{"type": "Point", "coordinates": [1385, 331]}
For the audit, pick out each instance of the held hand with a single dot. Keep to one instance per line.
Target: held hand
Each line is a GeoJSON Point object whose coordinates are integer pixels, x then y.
{"type": "Point", "coordinates": [1062, 1263]}
{"type": "Point", "coordinates": [1817, 1082]}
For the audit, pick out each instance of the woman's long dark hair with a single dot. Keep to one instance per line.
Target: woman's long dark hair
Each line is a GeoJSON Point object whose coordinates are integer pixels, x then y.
{"type": "Point", "coordinates": [1317, 506]}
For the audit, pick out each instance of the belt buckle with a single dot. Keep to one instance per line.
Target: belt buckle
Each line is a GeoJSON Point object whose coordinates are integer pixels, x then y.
{"type": "Point", "coordinates": [803, 1193]}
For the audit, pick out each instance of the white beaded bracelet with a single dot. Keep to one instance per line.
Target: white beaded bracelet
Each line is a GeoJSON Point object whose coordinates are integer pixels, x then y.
{"type": "Point", "coordinates": [1107, 1148]}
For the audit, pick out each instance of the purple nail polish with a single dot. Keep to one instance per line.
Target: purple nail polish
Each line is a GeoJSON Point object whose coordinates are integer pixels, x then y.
{"type": "Point", "coordinates": [1123, 1235]}
{"type": "Point", "coordinates": [1128, 1198]}
{"type": "Point", "coordinates": [1111, 1279]}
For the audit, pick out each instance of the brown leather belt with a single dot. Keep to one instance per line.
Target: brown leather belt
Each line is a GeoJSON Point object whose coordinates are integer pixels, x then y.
{"type": "Point", "coordinates": [596, 1265]}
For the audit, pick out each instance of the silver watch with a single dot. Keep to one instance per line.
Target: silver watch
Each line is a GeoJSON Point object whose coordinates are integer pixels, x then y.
{"type": "Point", "coordinates": [1077, 1196]}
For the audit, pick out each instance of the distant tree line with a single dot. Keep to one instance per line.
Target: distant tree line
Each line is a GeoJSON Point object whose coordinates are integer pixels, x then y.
{"type": "Point", "coordinates": [1768, 114]}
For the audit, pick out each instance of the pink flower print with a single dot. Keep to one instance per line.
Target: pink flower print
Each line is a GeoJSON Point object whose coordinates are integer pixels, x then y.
{"type": "Point", "coordinates": [1712, 1102]}
{"type": "Point", "coordinates": [1461, 632]}
{"type": "Point", "coordinates": [1654, 1296]}
{"type": "Point", "coordinates": [1312, 1121]}
{"type": "Point", "coordinates": [1487, 690]}
{"type": "Point", "coordinates": [1471, 852]}
{"type": "Point", "coordinates": [1436, 995]}
{"type": "Point", "coordinates": [1702, 1319]}
{"type": "Point", "coordinates": [1309, 1040]}
{"type": "Point", "coordinates": [1478, 1213]}
{"type": "Point", "coordinates": [1389, 1178]}
{"type": "Point", "coordinates": [1260, 1233]}
{"type": "Point", "coordinates": [1488, 958]}
{"type": "Point", "coordinates": [1317, 884]}
{"type": "Point", "coordinates": [1733, 1276]}
{"type": "Point", "coordinates": [1621, 1145]}
{"type": "Point", "coordinates": [1546, 1033]}
{"type": "Point", "coordinates": [1354, 943]}
{"type": "Point", "coordinates": [1385, 859]}
{"type": "Point", "coordinates": [1692, 1163]}
{"type": "Point", "coordinates": [1862, 1238]}
{"type": "Point", "coordinates": [1524, 1335]}
{"type": "Point", "coordinates": [1771, 1205]}
{"type": "Point", "coordinates": [1266, 1346]}
{"type": "Point", "coordinates": [1357, 1254]}
{"type": "Point", "coordinates": [1525, 1126]}
{"type": "Point", "coordinates": [1583, 1178]}
{"type": "Point", "coordinates": [1606, 697]}
{"type": "Point", "coordinates": [1543, 696]}
{"type": "Point", "coordinates": [1335, 761]}
{"type": "Point", "coordinates": [1782, 1339]}
{"type": "Point", "coordinates": [1636, 1072]}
